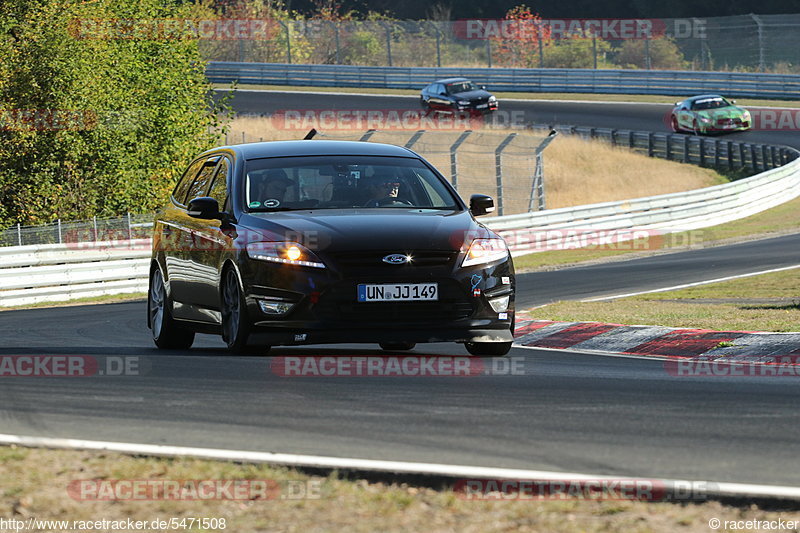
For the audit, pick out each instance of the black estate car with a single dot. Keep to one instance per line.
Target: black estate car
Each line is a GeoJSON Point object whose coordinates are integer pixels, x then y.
{"type": "Point", "coordinates": [457, 95]}
{"type": "Point", "coordinates": [308, 242]}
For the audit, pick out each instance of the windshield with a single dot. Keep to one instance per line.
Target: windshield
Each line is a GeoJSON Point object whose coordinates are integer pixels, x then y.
{"type": "Point", "coordinates": [710, 103]}
{"type": "Point", "coordinates": [460, 87]}
{"type": "Point", "coordinates": [336, 182]}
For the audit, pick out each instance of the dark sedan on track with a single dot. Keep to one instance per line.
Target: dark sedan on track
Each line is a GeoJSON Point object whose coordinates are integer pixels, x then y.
{"type": "Point", "coordinates": [308, 242]}
{"type": "Point", "coordinates": [457, 95]}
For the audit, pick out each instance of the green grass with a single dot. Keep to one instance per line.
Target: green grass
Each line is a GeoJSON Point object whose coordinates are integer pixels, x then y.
{"type": "Point", "coordinates": [784, 218]}
{"type": "Point", "coordinates": [588, 97]}
{"type": "Point", "coordinates": [741, 306]}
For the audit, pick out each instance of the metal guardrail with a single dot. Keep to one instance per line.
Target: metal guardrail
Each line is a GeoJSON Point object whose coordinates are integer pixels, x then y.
{"type": "Point", "coordinates": [693, 149]}
{"type": "Point", "coordinates": [60, 272]}
{"type": "Point", "coordinates": [658, 82]}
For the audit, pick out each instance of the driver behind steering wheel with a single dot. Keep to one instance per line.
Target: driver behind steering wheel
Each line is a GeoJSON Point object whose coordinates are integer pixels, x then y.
{"type": "Point", "coordinates": [382, 191]}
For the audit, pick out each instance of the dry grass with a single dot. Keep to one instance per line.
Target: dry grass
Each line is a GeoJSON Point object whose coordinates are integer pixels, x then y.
{"type": "Point", "coordinates": [35, 485]}
{"type": "Point", "coordinates": [577, 172]}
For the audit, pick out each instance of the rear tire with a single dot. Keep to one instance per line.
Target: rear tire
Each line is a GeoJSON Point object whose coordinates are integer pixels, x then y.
{"type": "Point", "coordinates": [168, 334]}
{"type": "Point", "coordinates": [235, 322]}
{"type": "Point", "coordinates": [397, 346]}
{"type": "Point", "coordinates": [488, 349]}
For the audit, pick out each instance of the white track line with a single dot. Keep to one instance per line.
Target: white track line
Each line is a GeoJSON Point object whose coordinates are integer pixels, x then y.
{"type": "Point", "coordinates": [686, 285]}
{"type": "Point", "coordinates": [457, 471]}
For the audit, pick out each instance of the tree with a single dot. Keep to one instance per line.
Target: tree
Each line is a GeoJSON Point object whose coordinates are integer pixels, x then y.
{"type": "Point", "coordinates": [521, 37]}
{"type": "Point", "coordinates": [102, 107]}
{"type": "Point", "coordinates": [664, 54]}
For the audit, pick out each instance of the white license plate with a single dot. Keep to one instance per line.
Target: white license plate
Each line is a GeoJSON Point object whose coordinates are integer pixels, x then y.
{"type": "Point", "coordinates": [482, 106]}
{"type": "Point", "coordinates": [397, 292]}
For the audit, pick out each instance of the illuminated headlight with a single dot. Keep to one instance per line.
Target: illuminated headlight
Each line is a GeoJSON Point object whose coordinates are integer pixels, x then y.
{"type": "Point", "coordinates": [500, 304]}
{"type": "Point", "coordinates": [274, 307]}
{"type": "Point", "coordinates": [492, 99]}
{"type": "Point", "coordinates": [463, 102]}
{"type": "Point", "coordinates": [485, 251]}
{"type": "Point", "coordinates": [289, 253]}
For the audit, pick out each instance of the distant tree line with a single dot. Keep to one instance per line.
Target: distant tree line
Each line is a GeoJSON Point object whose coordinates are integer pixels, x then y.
{"type": "Point", "coordinates": [460, 9]}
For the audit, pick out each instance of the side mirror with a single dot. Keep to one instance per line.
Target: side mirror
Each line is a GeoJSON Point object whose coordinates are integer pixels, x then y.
{"type": "Point", "coordinates": [204, 207]}
{"type": "Point", "coordinates": [480, 204]}
{"type": "Point", "coordinates": [483, 87]}
{"type": "Point", "coordinates": [733, 101]}
{"type": "Point", "coordinates": [678, 103]}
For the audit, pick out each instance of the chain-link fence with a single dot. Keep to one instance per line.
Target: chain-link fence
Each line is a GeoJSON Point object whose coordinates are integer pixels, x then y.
{"type": "Point", "coordinates": [746, 42]}
{"type": "Point", "coordinates": [77, 231]}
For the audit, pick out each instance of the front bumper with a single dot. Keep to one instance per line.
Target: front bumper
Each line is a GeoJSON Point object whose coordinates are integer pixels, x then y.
{"type": "Point", "coordinates": [325, 310]}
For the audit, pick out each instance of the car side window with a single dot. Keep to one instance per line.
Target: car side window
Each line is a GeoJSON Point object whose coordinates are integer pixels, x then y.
{"type": "Point", "coordinates": [202, 182]}
{"type": "Point", "coordinates": [179, 194]}
{"type": "Point", "coordinates": [440, 89]}
{"type": "Point", "coordinates": [219, 189]}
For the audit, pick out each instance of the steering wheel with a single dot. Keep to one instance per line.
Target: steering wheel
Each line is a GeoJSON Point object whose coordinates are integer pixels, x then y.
{"type": "Point", "coordinates": [393, 200]}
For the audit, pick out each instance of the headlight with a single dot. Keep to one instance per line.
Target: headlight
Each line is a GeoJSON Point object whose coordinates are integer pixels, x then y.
{"type": "Point", "coordinates": [289, 253]}
{"type": "Point", "coordinates": [485, 251]}
{"type": "Point", "coordinates": [703, 119]}
{"type": "Point", "coordinates": [492, 99]}
{"type": "Point", "coordinates": [463, 102]}
{"type": "Point", "coordinates": [746, 114]}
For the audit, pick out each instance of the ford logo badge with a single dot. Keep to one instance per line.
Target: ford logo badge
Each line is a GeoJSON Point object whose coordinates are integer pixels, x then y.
{"type": "Point", "coordinates": [396, 259]}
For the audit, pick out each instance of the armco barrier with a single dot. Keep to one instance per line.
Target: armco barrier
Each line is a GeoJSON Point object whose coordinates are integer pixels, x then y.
{"type": "Point", "coordinates": [60, 272]}
{"type": "Point", "coordinates": [605, 81]}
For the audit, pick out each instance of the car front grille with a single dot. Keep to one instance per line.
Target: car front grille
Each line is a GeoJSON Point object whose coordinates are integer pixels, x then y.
{"type": "Point", "coordinates": [353, 263]}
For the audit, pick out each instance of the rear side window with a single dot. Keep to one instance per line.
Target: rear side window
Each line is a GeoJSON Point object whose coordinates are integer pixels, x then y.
{"type": "Point", "coordinates": [179, 194]}
{"type": "Point", "coordinates": [202, 183]}
{"type": "Point", "coordinates": [219, 190]}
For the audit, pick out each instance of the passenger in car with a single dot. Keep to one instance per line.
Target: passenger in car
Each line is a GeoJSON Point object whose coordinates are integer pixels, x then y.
{"type": "Point", "coordinates": [274, 186]}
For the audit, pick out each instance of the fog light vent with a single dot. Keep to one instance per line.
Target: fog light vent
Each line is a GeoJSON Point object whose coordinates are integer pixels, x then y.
{"type": "Point", "coordinates": [273, 307]}
{"type": "Point", "coordinates": [500, 304]}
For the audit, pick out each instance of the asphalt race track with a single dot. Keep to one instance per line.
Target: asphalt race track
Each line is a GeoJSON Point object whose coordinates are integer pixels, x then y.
{"type": "Point", "coordinates": [639, 116]}
{"type": "Point", "coordinates": [562, 412]}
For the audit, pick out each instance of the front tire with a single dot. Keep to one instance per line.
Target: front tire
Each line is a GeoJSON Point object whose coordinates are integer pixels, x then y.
{"type": "Point", "coordinates": [235, 323]}
{"type": "Point", "coordinates": [488, 349]}
{"type": "Point", "coordinates": [674, 124]}
{"type": "Point", "coordinates": [168, 334]}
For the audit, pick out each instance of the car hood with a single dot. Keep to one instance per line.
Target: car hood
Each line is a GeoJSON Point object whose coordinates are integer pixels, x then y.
{"type": "Point", "coordinates": [477, 94]}
{"type": "Point", "coordinates": [367, 229]}
{"type": "Point", "coordinates": [723, 112]}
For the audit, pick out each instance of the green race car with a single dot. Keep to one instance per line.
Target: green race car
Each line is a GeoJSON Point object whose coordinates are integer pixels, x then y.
{"type": "Point", "coordinates": [709, 113]}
